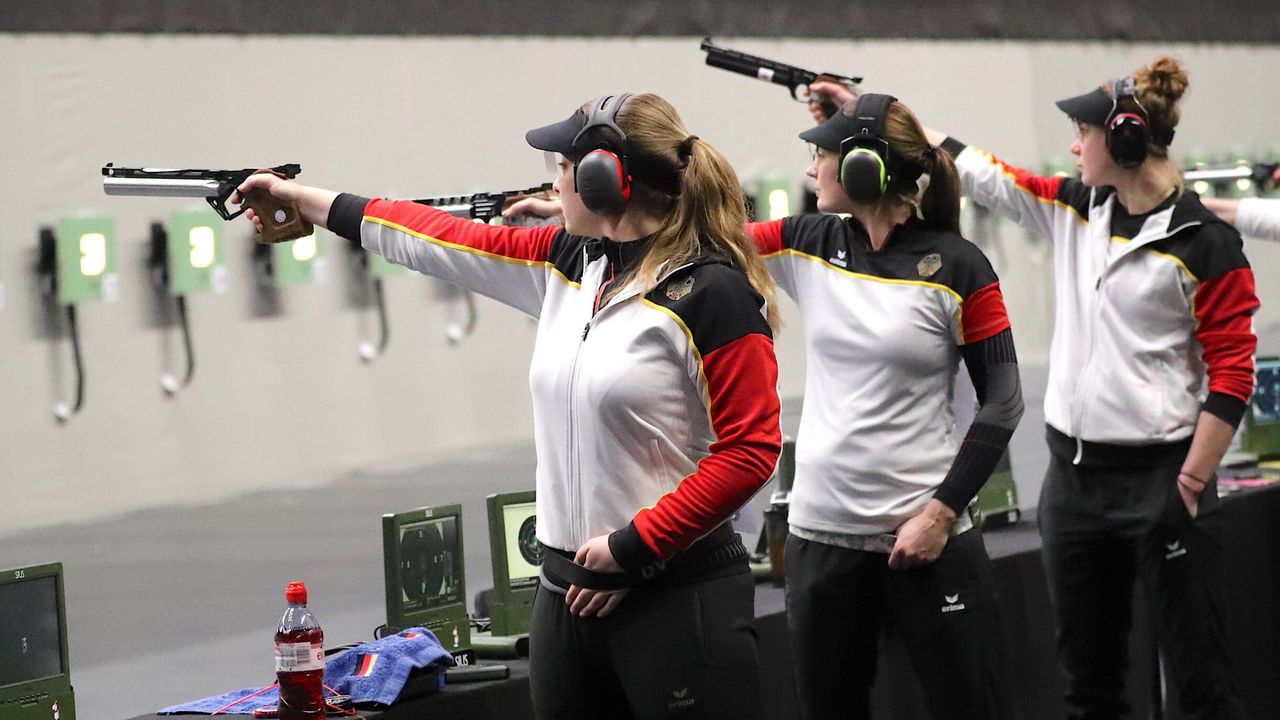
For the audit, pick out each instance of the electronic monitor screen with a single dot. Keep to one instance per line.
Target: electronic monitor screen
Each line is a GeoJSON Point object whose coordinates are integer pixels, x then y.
{"type": "Point", "coordinates": [524, 552]}
{"type": "Point", "coordinates": [430, 564]}
{"type": "Point", "coordinates": [30, 639]}
{"type": "Point", "coordinates": [1266, 397]}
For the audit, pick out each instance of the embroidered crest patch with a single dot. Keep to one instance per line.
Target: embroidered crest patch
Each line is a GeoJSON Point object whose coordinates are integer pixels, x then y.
{"type": "Point", "coordinates": [928, 265]}
{"type": "Point", "coordinates": [677, 289]}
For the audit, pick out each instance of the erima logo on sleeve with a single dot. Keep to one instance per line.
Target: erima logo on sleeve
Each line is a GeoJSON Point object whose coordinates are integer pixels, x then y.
{"type": "Point", "coordinates": [953, 603]}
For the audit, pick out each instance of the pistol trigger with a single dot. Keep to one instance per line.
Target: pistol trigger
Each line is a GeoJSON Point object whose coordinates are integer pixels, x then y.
{"type": "Point", "coordinates": [219, 205]}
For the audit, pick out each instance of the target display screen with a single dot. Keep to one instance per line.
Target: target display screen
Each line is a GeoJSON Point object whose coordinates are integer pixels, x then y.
{"type": "Point", "coordinates": [1266, 397]}
{"type": "Point", "coordinates": [524, 552]}
{"type": "Point", "coordinates": [30, 640]}
{"type": "Point", "coordinates": [430, 564]}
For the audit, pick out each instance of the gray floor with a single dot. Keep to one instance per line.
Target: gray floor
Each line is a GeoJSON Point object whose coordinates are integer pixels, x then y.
{"type": "Point", "coordinates": [174, 604]}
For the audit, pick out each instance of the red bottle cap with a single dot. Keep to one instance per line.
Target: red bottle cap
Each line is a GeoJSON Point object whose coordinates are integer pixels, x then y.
{"type": "Point", "coordinates": [296, 593]}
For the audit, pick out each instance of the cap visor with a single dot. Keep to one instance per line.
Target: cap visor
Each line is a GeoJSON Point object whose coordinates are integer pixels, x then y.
{"type": "Point", "coordinates": [557, 137]}
{"type": "Point", "coordinates": [828, 135]}
{"type": "Point", "coordinates": [1091, 107]}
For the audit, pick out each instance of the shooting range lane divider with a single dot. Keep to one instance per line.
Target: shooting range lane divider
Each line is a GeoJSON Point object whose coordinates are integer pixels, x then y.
{"type": "Point", "coordinates": [76, 262]}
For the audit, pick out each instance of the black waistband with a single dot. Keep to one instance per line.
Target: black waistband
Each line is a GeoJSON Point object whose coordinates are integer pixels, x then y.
{"type": "Point", "coordinates": [1126, 456]}
{"type": "Point", "coordinates": [715, 554]}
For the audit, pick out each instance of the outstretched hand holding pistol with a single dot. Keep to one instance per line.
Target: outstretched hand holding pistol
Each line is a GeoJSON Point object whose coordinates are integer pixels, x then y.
{"type": "Point", "coordinates": [836, 92]}
{"type": "Point", "coordinates": [313, 202]}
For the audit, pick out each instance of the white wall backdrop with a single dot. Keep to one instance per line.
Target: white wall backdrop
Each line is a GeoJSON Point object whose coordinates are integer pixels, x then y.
{"type": "Point", "coordinates": [283, 401]}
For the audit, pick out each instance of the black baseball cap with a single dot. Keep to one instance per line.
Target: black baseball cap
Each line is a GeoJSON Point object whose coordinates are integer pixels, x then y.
{"type": "Point", "coordinates": [1092, 107]}
{"type": "Point", "coordinates": [558, 137]}
{"type": "Point", "coordinates": [831, 133]}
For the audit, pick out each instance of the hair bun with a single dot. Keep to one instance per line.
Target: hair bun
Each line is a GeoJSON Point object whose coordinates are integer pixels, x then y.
{"type": "Point", "coordinates": [1167, 78]}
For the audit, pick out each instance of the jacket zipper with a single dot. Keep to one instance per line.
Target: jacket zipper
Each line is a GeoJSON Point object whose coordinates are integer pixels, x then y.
{"type": "Point", "coordinates": [1097, 313]}
{"type": "Point", "coordinates": [575, 506]}
{"type": "Point", "coordinates": [577, 524]}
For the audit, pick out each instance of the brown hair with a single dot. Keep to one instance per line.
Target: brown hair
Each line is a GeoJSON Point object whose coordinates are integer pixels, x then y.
{"type": "Point", "coordinates": [709, 213]}
{"type": "Point", "coordinates": [939, 204]}
{"type": "Point", "coordinates": [1159, 86]}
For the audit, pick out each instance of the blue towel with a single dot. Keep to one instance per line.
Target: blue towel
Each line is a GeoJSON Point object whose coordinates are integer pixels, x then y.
{"type": "Point", "coordinates": [373, 672]}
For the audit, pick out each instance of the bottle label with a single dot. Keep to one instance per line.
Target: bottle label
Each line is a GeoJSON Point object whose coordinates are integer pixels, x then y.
{"type": "Point", "coordinates": [299, 657]}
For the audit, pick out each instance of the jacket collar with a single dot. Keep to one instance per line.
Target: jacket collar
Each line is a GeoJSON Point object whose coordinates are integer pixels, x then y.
{"type": "Point", "coordinates": [1187, 211]}
{"type": "Point", "coordinates": [623, 256]}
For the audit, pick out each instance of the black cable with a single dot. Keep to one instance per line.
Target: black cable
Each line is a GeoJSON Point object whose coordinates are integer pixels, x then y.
{"type": "Point", "coordinates": [61, 411]}
{"type": "Point", "coordinates": [186, 340]}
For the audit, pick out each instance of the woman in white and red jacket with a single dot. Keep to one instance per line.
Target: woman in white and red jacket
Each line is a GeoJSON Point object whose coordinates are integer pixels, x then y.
{"type": "Point", "coordinates": [1151, 370]}
{"type": "Point", "coordinates": [655, 401]}
{"type": "Point", "coordinates": [893, 297]}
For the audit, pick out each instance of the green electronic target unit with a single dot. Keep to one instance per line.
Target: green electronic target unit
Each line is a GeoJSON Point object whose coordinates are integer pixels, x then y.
{"type": "Point", "coordinates": [517, 561]}
{"type": "Point", "coordinates": [422, 554]}
{"type": "Point", "coordinates": [84, 259]}
{"type": "Point", "coordinates": [298, 262]}
{"type": "Point", "coordinates": [194, 253]}
{"type": "Point", "coordinates": [1261, 433]}
{"type": "Point", "coordinates": [35, 672]}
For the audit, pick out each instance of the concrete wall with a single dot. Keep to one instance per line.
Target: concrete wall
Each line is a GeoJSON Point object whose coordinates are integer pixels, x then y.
{"type": "Point", "coordinates": [281, 400]}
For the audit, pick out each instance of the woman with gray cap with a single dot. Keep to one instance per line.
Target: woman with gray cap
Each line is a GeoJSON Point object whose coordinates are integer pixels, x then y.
{"type": "Point", "coordinates": [655, 403]}
{"type": "Point", "coordinates": [880, 538]}
{"type": "Point", "coordinates": [1153, 293]}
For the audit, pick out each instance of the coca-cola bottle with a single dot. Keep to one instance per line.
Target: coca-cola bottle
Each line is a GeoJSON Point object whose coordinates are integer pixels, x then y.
{"type": "Point", "coordinates": [299, 659]}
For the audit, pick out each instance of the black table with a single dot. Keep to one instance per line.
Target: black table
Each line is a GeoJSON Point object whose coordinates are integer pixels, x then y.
{"type": "Point", "coordinates": [1249, 526]}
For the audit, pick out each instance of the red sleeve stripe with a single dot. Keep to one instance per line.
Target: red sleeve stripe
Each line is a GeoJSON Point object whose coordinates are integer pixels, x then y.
{"type": "Point", "coordinates": [1224, 308]}
{"type": "Point", "coordinates": [983, 314]}
{"type": "Point", "coordinates": [530, 246]}
{"type": "Point", "coordinates": [742, 382]}
{"type": "Point", "coordinates": [768, 236]}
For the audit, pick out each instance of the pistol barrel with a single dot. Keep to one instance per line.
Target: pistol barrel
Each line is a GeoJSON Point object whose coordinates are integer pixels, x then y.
{"type": "Point", "coordinates": [152, 187]}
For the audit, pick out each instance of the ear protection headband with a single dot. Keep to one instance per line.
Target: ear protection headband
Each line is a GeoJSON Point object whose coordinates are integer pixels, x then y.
{"type": "Point", "coordinates": [868, 166]}
{"type": "Point", "coordinates": [1128, 126]}
{"type": "Point", "coordinates": [601, 176]}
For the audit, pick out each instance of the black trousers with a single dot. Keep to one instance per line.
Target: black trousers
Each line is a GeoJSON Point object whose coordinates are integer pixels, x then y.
{"type": "Point", "coordinates": [1104, 527]}
{"type": "Point", "coordinates": [840, 600]}
{"type": "Point", "coordinates": [681, 651]}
